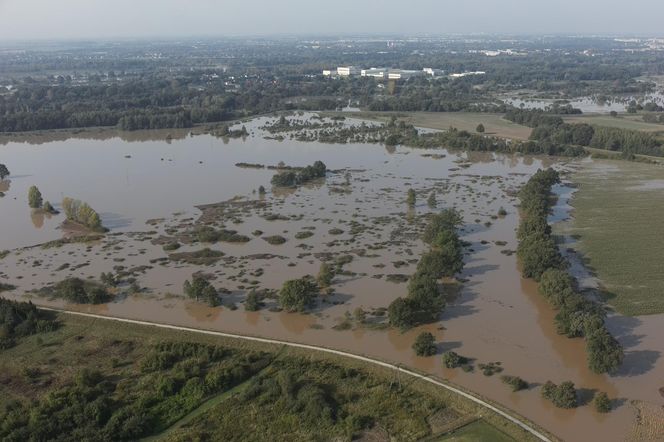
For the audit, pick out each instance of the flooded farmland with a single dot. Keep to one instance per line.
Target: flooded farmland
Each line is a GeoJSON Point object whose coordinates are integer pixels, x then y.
{"type": "Point", "coordinates": [155, 192]}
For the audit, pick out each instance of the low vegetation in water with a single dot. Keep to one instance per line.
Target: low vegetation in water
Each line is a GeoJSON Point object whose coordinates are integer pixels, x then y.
{"type": "Point", "coordinates": [294, 178]}
{"type": "Point", "coordinates": [515, 382]}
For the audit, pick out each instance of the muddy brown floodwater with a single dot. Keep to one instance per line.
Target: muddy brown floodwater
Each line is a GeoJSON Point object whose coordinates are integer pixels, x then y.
{"type": "Point", "coordinates": [147, 191]}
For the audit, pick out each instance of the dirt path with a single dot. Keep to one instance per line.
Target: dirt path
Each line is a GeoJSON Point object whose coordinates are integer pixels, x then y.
{"type": "Point", "coordinates": [525, 426]}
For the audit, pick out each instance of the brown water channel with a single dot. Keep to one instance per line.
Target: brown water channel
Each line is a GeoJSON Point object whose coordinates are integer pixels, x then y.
{"type": "Point", "coordinates": [497, 316]}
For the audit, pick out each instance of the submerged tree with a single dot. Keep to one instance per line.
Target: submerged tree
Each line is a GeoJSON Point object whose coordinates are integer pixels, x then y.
{"type": "Point", "coordinates": [425, 344]}
{"type": "Point", "coordinates": [411, 199]}
{"type": "Point", "coordinates": [325, 275]}
{"type": "Point", "coordinates": [297, 295]}
{"type": "Point", "coordinates": [35, 198]}
{"type": "Point", "coordinates": [431, 201]}
{"type": "Point", "coordinates": [4, 172]}
{"type": "Point", "coordinates": [200, 288]}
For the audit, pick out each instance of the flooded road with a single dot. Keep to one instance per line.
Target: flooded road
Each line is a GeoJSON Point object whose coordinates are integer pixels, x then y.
{"type": "Point", "coordinates": [496, 317]}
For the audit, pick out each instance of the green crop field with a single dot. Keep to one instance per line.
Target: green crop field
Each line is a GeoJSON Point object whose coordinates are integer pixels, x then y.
{"type": "Point", "coordinates": [618, 213]}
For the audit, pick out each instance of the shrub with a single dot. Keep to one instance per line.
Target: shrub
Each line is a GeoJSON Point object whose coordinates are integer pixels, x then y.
{"type": "Point", "coordinates": [253, 302]}
{"type": "Point", "coordinates": [453, 360]}
{"type": "Point", "coordinates": [411, 198]}
{"type": "Point", "coordinates": [515, 382]}
{"type": "Point", "coordinates": [325, 275]}
{"type": "Point", "coordinates": [425, 344]}
{"type": "Point", "coordinates": [602, 402]}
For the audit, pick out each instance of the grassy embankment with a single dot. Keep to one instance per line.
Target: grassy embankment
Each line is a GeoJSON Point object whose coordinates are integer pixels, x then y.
{"type": "Point", "coordinates": [617, 218]}
{"type": "Point", "coordinates": [298, 393]}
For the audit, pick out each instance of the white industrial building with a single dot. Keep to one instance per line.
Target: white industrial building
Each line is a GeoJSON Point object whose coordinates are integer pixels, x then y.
{"type": "Point", "coordinates": [374, 72]}
{"type": "Point", "coordinates": [347, 71]}
{"type": "Point", "coordinates": [400, 74]}
{"type": "Point", "coordinates": [466, 74]}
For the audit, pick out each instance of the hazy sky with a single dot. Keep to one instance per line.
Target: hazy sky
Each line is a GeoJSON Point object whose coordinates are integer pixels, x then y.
{"type": "Point", "coordinates": [53, 19]}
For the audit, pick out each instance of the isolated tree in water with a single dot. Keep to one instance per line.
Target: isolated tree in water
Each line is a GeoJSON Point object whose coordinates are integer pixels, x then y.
{"type": "Point", "coordinates": [480, 128]}
{"type": "Point", "coordinates": [4, 172]}
{"type": "Point", "coordinates": [34, 198]}
{"type": "Point", "coordinates": [412, 198]}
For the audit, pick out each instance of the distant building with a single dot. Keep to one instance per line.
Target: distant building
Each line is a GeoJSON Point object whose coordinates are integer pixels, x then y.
{"type": "Point", "coordinates": [433, 72]}
{"type": "Point", "coordinates": [327, 72]}
{"type": "Point", "coordinates": [466, 74]}
{"type": "Point", "coordinates": [400, 74]}
{"type": "Point", "coordinates": [347, 71]}
{"type": "Point", "coordinates": [374, 72]}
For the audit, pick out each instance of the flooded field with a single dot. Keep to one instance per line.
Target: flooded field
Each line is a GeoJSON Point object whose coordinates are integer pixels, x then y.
{"type": "Point", "coordinates": [157, 192]}
{"type": "Point", "coordinates": [590, 105]}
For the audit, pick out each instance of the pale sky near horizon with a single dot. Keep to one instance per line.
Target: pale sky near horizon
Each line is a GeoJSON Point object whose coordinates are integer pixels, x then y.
{"type": "Point", "coordinates": [97, 19]}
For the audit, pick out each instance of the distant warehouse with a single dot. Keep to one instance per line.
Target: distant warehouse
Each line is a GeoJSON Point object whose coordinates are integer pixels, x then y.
{"type": "Point", "coordinates": [382, 73]}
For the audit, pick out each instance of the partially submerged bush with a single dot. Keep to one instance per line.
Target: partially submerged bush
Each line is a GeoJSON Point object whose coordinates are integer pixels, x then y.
{"type": "Point", "coordinates": [425, 344]}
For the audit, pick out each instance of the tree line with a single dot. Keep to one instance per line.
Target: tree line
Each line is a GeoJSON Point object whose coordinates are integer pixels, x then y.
{"type": "Point", "coordinates": [549, 128]}
{"type": "Point", "coordinates": [541, 260]}
{"type": "Point", "coordinates": [424, 302]}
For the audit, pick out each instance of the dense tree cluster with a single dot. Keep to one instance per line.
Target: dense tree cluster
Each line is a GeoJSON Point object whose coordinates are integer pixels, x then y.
{"type": "Point", "coordinates": [297, 295]}
{"type": "Point", "coordinates": [444, 259]}
{"type": "Point", "coordinates": [562, 396]}
{"type": "Point", "coordinates": [79, 291]}
{"type": "Point", "coordinates": [19, 319]}
{"type": "Point", "coordinates": [293, 178]}
{"type": "Point", "coordinates": [201, 289]}
{"type": "Point", "coordinates": [81, 213]}
{"type": "Point", "coordinates": [541, 260]}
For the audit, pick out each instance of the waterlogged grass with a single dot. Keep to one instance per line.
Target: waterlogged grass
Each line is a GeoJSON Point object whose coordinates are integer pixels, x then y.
{"type": "Point", "coordinates": [618, 212]}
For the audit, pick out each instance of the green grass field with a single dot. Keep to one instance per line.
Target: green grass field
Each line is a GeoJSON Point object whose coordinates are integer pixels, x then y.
{"type": "Point", "coordinates": [494, 124]}
{"type": "Point", "coordinates": [291, 394]}
{"type": "Point", "coordinates": [478, 431]}
{"type": "Point", "coordinates": [618, 213]}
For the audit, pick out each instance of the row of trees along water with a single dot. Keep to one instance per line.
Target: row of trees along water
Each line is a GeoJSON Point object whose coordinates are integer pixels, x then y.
{"type": "Point", "coordinates": [541, 260]}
